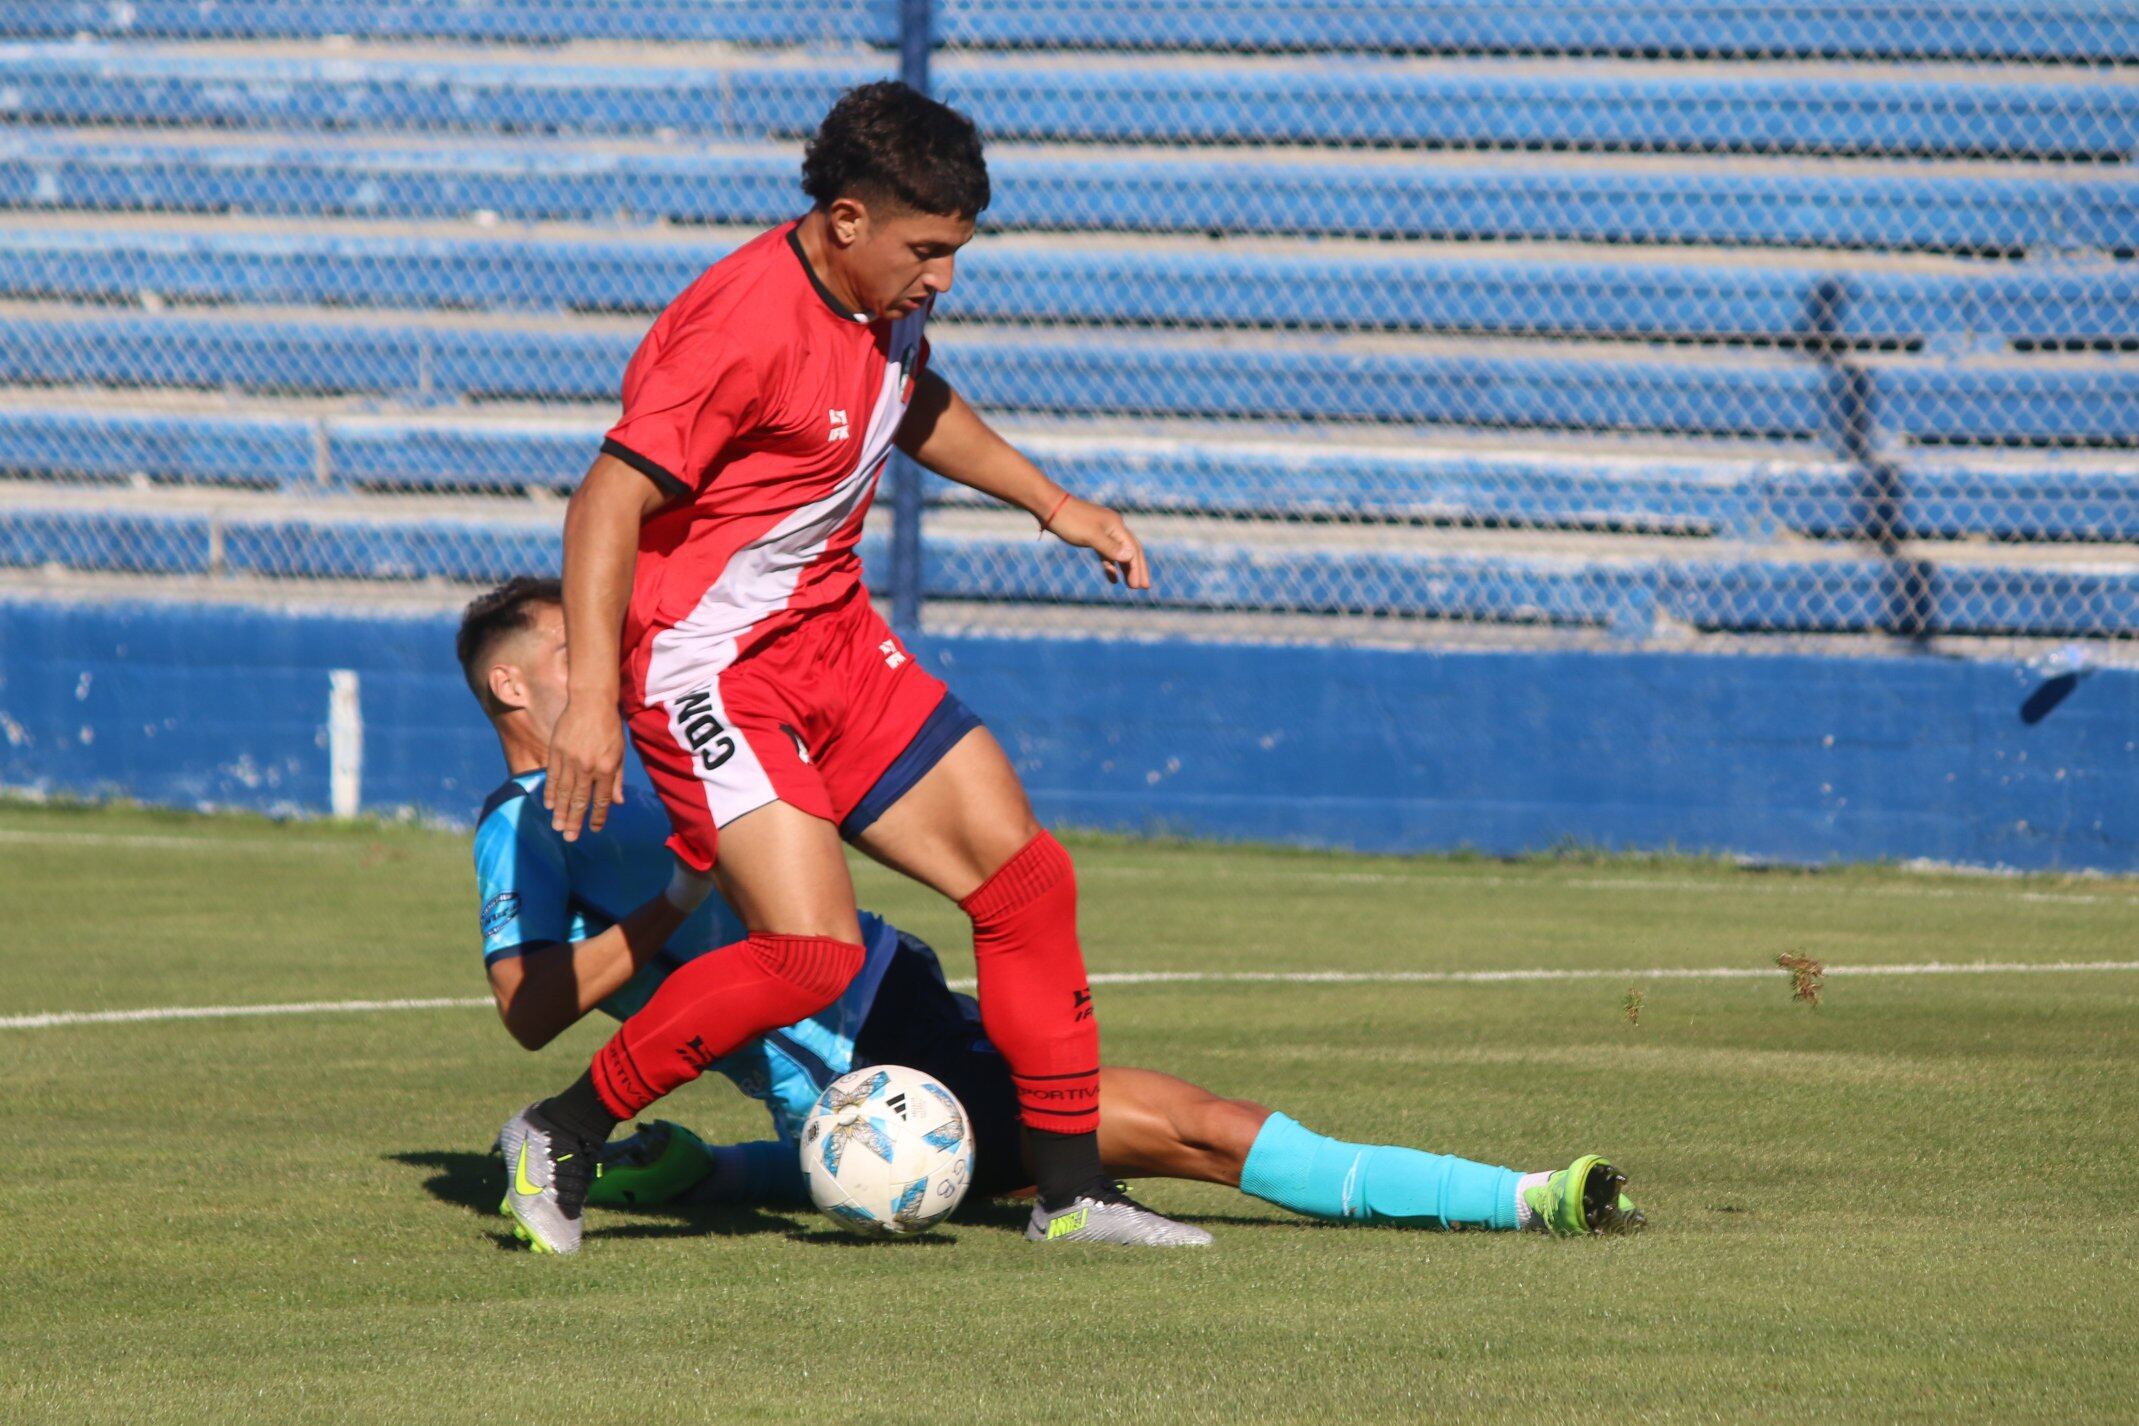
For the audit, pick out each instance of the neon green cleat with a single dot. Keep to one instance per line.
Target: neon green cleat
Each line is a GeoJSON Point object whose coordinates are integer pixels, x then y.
{"type": "Point", "coordinates": [1584, 1198]}
{"type": "Point", "coordinates": [658, 1164]}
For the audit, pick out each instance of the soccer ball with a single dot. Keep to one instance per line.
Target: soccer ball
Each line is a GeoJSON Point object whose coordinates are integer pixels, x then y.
{"type": "Point", "coordinates": [888, 1151]}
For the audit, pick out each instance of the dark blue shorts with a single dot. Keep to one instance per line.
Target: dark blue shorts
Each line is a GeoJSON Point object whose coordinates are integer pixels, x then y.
{"type": "Point", "coordinates": [950, 721]}
{"type": "Point", "coordinates": [920, 1022]}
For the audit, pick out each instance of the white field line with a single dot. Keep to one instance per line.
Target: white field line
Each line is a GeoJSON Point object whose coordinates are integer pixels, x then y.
{"type": "Point", "coordinates": [57, 1018]}
{"type": "Point", "coordinates": [1802, 886]}
{"type": "Point", "coordinates": [1808, 885]}
{"type": "Point", "coordinates": [149, 841]}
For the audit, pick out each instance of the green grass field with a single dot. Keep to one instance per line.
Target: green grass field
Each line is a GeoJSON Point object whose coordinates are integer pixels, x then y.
{"type": "Point", "coordinates": [1914, 1202]}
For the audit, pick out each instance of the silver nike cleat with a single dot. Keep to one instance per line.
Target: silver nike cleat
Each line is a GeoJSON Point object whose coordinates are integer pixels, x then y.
{"type": "Point", "coordinates": [546, 1177]}
{"type": "Point", "coordinates": [1111, 1220]}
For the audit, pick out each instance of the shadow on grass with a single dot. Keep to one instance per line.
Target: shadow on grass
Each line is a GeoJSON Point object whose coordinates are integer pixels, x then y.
{"type": "Point", "coordinates": [472, 1181]}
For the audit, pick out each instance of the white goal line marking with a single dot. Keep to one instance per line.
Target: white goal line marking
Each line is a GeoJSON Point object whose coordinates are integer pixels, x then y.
{"type": "Point", "coordinates": [57, 1018]}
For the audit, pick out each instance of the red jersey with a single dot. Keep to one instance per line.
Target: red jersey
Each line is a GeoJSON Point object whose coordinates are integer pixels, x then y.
{"type": "Point", "coordinates": [767, 410]}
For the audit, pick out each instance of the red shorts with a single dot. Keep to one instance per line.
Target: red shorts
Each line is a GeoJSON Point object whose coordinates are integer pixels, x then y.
{"type": "Point", "coordinates": [814, 717]}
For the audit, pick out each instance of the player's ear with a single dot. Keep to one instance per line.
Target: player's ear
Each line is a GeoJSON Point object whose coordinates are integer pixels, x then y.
{"type": "Point", "coordinates": [846, 220]}
{"type": "Point", "coordinates": [508, 690]}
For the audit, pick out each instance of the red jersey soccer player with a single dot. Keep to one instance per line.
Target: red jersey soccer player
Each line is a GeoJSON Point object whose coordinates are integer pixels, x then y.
{"type": "Point", "coordinates": [714, 596]}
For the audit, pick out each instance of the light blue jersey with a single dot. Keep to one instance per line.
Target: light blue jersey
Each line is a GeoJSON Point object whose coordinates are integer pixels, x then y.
{"type": "Point", "coordinates": [538, 890]}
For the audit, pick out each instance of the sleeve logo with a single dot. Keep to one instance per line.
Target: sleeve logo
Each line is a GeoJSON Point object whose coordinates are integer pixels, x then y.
{"type": "Point", "coordinates": [499, 911]}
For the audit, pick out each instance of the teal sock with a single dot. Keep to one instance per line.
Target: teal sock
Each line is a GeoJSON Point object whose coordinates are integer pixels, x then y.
{"type": "Point", "coordinates": [1299, 1169]}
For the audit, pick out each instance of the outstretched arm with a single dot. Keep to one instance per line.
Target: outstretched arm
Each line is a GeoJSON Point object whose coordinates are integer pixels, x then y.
{"type": "Point", "coordinates": [948, 436]}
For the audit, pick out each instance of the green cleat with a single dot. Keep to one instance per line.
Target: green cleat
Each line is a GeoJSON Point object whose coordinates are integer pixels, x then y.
{"type": "Point", "coordinates": [658, 1164]}
{"type": "Point", "coordinates": [1584, 1198]}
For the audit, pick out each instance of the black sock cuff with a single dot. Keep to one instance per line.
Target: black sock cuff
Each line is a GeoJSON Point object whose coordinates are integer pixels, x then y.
{"type": "Point", "coordinates": [580, 1112]}
{"type": "Point", "coordinates": [1064, 1166]}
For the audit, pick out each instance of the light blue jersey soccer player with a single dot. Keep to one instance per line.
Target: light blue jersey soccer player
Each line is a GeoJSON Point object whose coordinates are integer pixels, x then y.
{"type": "Point", "coordinates": [571, 927]}
{"type": "Point", "coordinates": [541, 893]}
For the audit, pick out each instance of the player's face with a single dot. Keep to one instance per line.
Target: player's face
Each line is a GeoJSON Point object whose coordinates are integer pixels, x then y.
{"type": "Point", "coordinates": [901, 259]}
{"type": "Point", "coordinates": [543, 667]}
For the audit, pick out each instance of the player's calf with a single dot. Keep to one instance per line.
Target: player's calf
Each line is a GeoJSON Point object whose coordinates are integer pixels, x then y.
{"type": "Point", "coordinates": [1036, 1006]}
{"type": "Point", "coordinates": [1155, 1125]}
{"type": "Point", "coordinates": [703, 1011]}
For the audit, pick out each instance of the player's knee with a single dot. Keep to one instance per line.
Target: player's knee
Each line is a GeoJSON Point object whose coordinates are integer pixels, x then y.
{"type": "Point", "coordinates": [1023, 829]}
{"type": "Point", "coordinates": [1038, 874]}
{"type": "Point", "coordinates": [1018, 840]}
{"type": "Point", "coordinates": [820, 968]}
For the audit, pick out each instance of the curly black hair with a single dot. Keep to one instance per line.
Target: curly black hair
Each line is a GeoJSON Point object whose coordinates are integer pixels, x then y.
{"type": "Point", "coordinates": [889, 141]}
{"type": "Point", "coordinates": [490, 617]}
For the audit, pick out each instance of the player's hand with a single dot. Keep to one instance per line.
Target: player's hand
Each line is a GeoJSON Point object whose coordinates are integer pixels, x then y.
{"type": "Point", "coordinates": [586, 767]}
{"type": "Point", "coordinates": [1106, 534]}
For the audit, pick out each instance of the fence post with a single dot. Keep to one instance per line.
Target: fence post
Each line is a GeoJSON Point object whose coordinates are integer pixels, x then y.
{"type": "Point", "coordinates": [915, 41]}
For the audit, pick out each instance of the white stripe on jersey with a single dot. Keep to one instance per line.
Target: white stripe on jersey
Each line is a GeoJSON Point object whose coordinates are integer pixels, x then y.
{"type": "Point", "coordinates": [760, 578]}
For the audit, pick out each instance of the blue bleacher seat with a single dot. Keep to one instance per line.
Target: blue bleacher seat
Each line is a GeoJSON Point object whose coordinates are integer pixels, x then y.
{"type": "Point", "coordinates": [100, 540]}
{"type": "Point", "coordinates": [2094, 211]}
{"type": "Point", "coordinates": [1855, 29]}
{"type": "Point", "coordinates": [194, 449]}
{"type": "Point", "coordinates": [746, 22]}
{"type": "Point", "coordinates": [1964, 400]}
{"type": "Point", "coordinates": [1826, 596]}
{"type": "Point", "coordinates": [2071, 30]}
{"type": "Point", "coordinates": [1982, 307]}
{"type": "Point", "coordinates": [1934, 495]}
{"type": "Point", "coordinates": [1321, 101]}
{"type": "Point", "coordinates": [1318, 379]}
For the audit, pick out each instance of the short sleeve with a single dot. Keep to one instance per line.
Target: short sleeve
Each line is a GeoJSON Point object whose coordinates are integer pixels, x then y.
{"type": "Point", "coordinates": [521, 879]}
{"type": "Point", "coordinates": [686, 395]}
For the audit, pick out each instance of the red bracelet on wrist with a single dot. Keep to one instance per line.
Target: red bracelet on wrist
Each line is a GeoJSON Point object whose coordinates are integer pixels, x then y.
{"type": "Point", "coordinates": [1054, 512]}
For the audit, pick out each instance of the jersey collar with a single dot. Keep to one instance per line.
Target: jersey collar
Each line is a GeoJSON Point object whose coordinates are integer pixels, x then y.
{"type": "Point", "coordinates": [513, 788]}
{"type": "Point", "coordinates": [845, 314]}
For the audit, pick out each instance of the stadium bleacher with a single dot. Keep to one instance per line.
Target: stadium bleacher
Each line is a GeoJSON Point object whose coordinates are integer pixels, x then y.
{"type": "Point", "coordinates": [2068, 30]}
{"type": "Point", "coordinates": [1616, 315]}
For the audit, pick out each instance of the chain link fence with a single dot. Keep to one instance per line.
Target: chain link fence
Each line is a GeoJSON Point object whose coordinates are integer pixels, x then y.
{"type": "Point", "coordinates": [1641, 320]}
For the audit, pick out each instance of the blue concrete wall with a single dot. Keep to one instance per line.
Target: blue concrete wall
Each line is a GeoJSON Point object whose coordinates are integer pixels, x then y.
{"type": "Point", "coordinates": [1798, 757]}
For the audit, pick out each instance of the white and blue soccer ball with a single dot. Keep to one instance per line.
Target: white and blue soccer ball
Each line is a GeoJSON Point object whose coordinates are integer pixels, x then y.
{"type": "Point", "coordinates": [888, 1151]}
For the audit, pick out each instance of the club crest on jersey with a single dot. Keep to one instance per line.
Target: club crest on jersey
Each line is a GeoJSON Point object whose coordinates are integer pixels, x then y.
{"type": "Point", "coordinates": [839, 425]}
{"type": "Point", "coordinates": [498, 912]}
{"type": "Point", "coordinates": [703, 733]}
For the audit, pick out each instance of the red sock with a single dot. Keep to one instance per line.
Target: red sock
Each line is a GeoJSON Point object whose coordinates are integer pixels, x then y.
{"type": "Point", "coordinates": [714, 1003]}
{"type": "Point", "coordinates": [1035, 1003]}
